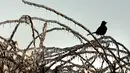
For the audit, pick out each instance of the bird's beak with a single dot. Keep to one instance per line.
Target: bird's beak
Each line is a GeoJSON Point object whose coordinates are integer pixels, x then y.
{"type": "Point", "coordinates": [106, 22]}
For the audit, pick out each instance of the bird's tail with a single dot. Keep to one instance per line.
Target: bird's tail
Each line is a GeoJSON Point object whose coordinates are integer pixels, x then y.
{"type": "Point", "coordinates": [92, 33]}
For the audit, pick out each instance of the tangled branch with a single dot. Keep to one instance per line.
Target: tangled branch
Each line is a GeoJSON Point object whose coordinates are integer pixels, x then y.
{"type": "Point", "coordinates": [99, 55]}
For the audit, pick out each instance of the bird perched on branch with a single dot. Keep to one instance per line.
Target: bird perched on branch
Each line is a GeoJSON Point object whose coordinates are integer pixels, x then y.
{"type": "Point", "coordinates": [102, 29]}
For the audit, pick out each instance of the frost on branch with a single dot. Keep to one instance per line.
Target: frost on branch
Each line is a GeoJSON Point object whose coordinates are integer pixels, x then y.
{"type": "Point", "coordinates": [100, 55]}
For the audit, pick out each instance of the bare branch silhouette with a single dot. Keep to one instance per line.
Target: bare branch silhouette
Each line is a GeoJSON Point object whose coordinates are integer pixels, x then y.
{"type": "Point", "coordinates": [110, 55]}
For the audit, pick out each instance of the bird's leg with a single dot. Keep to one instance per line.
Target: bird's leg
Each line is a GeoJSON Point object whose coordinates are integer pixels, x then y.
{"type": "Point", "coordinates": [102, 36]}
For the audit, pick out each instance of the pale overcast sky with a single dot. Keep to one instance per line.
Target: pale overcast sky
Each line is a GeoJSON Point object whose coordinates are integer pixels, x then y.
{"type": "Point", "coordinates": [88, 12]}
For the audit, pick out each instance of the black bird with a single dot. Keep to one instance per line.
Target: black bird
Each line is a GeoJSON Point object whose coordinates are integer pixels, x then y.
{"type": "Point", "coordinates": [102, 29]}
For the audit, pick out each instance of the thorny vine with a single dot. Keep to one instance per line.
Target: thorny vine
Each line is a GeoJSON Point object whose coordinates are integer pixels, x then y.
{"type": "Point", "coordinates": [113, 56]}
